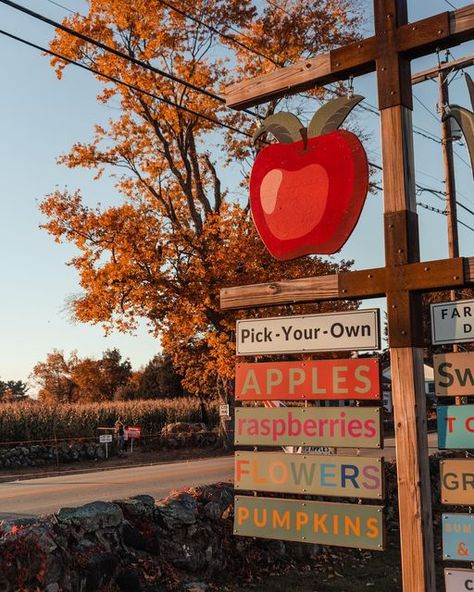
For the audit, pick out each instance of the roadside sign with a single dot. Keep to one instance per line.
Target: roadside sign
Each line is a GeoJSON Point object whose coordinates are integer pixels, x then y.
{"type": "Point", "coordinates": [344, 427]}
{"type": "Point", "coordinates": [454, 374]}
{"type": "Point", "coordinates": [133, 432]}
{"type": "Point", "coordinates": [452, 322]}
{"type": "Point", "coordinates": [457, 481]}
{"type": "Point", "coordinates": [309, 380]}
{"type": "Point", "coordinates": [344, 525]}
{"type": "Point", "coordinates": [348, 331]}
{"type": "Point", "coordinates": [105, 438]}
{"type": "Point", "coordinates": [459, 580]}
{"type": "Point", "coordinates": [455, 426]}
{"type": "Point", "coordinates": [224, 411]}
{"type": "Point", "coordinates": [458, 537]}
{"type": "Point", "coordinates": [340, 476]}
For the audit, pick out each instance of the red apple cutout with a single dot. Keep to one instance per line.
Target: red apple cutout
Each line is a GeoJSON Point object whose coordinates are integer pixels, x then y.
{"type": "Point", "coordinates": [307, 192]}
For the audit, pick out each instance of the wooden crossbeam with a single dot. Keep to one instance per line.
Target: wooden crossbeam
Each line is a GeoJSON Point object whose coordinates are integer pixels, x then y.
{"type": "Point", "coordinates": [413, 40]}
{"type": "Point", "coordinates": [368, 283]}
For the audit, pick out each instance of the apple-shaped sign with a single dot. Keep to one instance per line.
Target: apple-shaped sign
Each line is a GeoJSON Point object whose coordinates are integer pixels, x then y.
{"type": "Point", "coordinates": [308, 190]}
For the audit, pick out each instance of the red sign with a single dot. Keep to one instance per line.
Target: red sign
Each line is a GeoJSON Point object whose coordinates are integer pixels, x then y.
{"type": "Point", "coordinates": [311, 380]}
{"type": "Point", "coordinates": [307, 193]}
{"type": "Point", "coordinates": [133, 432]}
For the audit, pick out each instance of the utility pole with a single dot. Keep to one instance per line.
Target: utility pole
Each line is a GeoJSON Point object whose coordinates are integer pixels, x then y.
{"type": "Point", "coordinates": [441, 73]}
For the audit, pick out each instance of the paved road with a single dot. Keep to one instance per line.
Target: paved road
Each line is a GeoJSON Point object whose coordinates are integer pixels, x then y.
{"type": "Point", "coordinates": [49, 494]}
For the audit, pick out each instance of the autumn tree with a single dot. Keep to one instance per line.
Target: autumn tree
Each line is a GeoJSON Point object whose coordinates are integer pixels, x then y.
{"type": "Point", "coordinates": [181, 232]}
{"type": "Point", "coordinates": [13, 390]}
{"type": "Point", "coordinates": [53, 377]}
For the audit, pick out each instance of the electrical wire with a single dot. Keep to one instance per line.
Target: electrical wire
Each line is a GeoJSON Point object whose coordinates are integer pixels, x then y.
{"type": "Point", "coordinates": [116, 52]}
{"type": "Point", "coordinates": [126, 84]}
{"type": "Point", "coordinates": [366, 107]}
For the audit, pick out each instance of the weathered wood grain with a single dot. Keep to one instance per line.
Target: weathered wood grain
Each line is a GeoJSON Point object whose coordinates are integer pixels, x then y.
{"type": "Point", "coordinates": [282, 292]}
{"type": "Point", "coordinates": [412, 39]}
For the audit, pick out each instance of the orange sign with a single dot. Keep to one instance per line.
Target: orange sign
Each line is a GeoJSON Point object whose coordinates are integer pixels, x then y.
{"type": "Point", "coordinates": [314, 380]}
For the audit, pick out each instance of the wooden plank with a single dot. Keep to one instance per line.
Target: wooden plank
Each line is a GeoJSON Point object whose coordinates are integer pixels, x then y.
{"type": "Point", "coordinates": [424, 36]}
{"type": "Point", "coordinates": [469, 269]}
{"type": "Point", "coordinates": [343, 427]}
{"type": "Point", "coordinates": [414, 493]}
{"type": "Point", "coordinates": [461, 23]}
{"type": "Point", "coordinates": [457, 481]}
{"type": "Point", "coordinates": [454, 374]}
{"type": "Point", "coordinates": [368, 283]}
{"type": "Point", "coordinates": [431, 73]}
{"type": "Point", "coordinates": [325, 523]}
{"type": "Point", "coordinates": [283, 292]}
{"type": "Point", "coordinates": [309, 474]}
{"type": "Point", "coordinates": [294, 78]}
{"type": "Point", "coordinates": [414, 39]}
{"type": "Point", "coordinates": [323, 380]}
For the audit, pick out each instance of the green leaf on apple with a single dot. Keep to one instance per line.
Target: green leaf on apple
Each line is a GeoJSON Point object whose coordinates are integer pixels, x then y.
{"type": "Point", "coordinates": [332, 115]}
{"type": "Point", "coordinates": [285, 127]}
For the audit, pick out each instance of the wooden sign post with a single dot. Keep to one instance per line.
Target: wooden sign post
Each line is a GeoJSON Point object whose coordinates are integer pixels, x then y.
{"type": "Point", "coordinates": [403, 278]}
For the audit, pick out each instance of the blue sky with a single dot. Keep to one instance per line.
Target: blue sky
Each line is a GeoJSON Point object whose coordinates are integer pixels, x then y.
{"type": "Point", "coordinates": [42, 117]}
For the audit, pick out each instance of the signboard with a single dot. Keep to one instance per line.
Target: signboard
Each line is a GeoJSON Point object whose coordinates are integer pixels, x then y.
{"type": "Point", "coordinates": [455, 426]}
{"type": "Point", "coordinates": [457, 482]}
{"type": "Point", "coordinates": [105, 438]}
{"type": "Point", "coordinates": [224, 411]}
{"type": "Point", "coordinates": [458, 536]}
{"type": "Point", "coordinates": [350, 476]}
{"type": "Point", "coordinates": [133, 432]}
{"type": "Point", "coordinates": [310, 380]}
{"type": "Point", "coordinates": [343, 427]}
{"type": "Point", "coordinates": [326, 523]}
{"type": "Point", "coordinates": [352, 330]}
{"type": "Point", "coordinates": [454, 374]}
{"type": "Point", "coordinates": [452, 322]}
{"type": "Point", "coordinates": [459, 580]}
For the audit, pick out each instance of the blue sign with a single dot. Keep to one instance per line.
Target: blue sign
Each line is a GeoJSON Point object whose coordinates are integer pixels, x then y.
{"type": "Point", "coordinates": [456, 426]}
{"type": "Point", "coordinates": [458, 537]}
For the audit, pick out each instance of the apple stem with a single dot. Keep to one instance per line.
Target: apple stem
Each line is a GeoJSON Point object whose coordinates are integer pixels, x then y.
{"type": "Point", "coordinates": [304, 135]}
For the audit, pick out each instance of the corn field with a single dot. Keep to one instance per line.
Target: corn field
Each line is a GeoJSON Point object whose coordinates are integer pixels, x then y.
{"type": "Point", "coordinates": [38, 421]}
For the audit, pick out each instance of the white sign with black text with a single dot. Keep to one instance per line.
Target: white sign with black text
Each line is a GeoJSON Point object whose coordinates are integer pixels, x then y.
{"type": "Point", "coordinates": [452, 322]}
{"type": "Point", "coordinates": [347, 331]}
{"type": "Point", "coordinates": [459, 580]}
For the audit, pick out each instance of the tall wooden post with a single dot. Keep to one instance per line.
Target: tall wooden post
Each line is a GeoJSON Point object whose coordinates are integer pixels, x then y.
{"type": "Point", "coordinates": [448, 165]}
{"type": "Point", "coordinates": [403, 307]}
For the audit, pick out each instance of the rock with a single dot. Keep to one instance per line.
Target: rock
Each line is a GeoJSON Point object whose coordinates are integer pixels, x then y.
{"type": "Point", "coordinates": [132, 537]}
{"type": "Point", "coordinates": [176, 511]}
{"type": "Point", "coordinates": [99, 571]}
{"type": "Point", "coordinates": [54, 587]}
{"type": "Point", "coordinates": [91, 517]}
{"type": "Point", "coordinates": [134, 507]}
{"type": "Point", "coordinates": [128, 581]}
{"type": "Point", "coordinates": [196, 587]}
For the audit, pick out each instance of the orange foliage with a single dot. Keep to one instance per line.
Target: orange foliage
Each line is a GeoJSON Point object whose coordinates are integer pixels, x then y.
{"type": "Point", "coordinates": [178, 237]}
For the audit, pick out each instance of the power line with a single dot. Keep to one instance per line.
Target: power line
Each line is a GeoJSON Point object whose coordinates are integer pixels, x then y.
{"type": "Point", "coordinates": [367, 107]}
{"type": "Point", "coordinates": [451, 4]}
{"type": "Point", "coordinates": [442, 212]}
{"type": "Point", "coordinates": [114, 51]}
{"type": "Point", "coordinates": [126, 84]}
{"type": "Point", "coordinates": [274, 4]}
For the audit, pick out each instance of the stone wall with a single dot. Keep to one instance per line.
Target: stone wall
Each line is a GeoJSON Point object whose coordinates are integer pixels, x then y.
{"type": "Point", "coordinates": [178, 544]}
{"type": "Point", "coordinates": [173, 436]}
